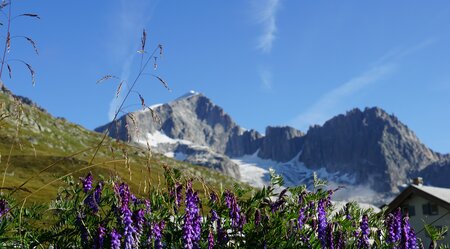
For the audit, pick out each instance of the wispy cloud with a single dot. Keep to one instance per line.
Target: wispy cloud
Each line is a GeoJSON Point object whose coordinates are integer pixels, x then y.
{"type": "Point", "coordinates": [132, 17]}
{"type": "Point", "coordinates": [325, 106]}
{"type": "Point", "coordinates": [265, 15]}
{"type": "Point", "coordinates": [265, 76]}
{"type": "Point", "coordinates": [331, 101]}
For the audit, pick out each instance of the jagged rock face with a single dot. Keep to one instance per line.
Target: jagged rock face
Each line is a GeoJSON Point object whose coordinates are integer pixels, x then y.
{"type": "Point", "coordinates": [194, 118]}
{"type": "Point", "coordinates": [193, 121]}
{"type": "Point", "coordinates": [243, 143]}
{"type": "Point", "coordinates": [437, 173]}
{"type": "Point", "coordinates": [281, 144]}
{"type": "Point", "coordinates": [372, 145]}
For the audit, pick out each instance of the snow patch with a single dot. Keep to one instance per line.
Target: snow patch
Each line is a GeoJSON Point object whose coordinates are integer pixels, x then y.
{"type": "Point", "coordinates": [157, 137]}
{"type": "Point", "coordinates": [255, 171]}
{"type": "Point", "coordinates": [176, 155]}
{"type": "Point", "coordinates": [188, 94]}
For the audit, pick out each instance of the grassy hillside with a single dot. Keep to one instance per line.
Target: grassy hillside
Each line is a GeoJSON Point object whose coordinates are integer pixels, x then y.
{"type": "Point", "coordinates": [38, 149]}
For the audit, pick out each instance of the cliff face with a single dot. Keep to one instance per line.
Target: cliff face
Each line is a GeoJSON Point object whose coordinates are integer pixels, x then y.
{"type": "Point", "coordinates": [281, 144]}
{"type": "Point", "coordinates": [371, 146]}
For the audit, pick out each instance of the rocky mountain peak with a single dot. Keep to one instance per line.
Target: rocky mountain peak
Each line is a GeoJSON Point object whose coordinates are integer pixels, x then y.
{"type": "Point", "coordinates": [369, 143]}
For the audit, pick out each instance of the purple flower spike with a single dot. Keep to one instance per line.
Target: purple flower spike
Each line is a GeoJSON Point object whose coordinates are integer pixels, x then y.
{"type": "Point", "coordinates": [257, 217]}
{"type": "Point", "coordinates": [363, 241]}
{"type": "Point", "coordinates": [398, 225]}
{"type": "Point", "coordinates": [389, 223]}
{"type": "Point", "coordinates": [340, 244]}
{"type": "Point", "coordinates": [237, 218]}
{"type": "Point", "coordinates": [301, 218]}
{"type": "Point", "coordinates": [138, 219]}
{"type": "Point", "coordinates": [330, 242]}
{"type": "Point", "coordinates": [98, 192]}
{"type": "Point", "coordinates": [157, 234]}
{"type": "Point", "coordinates": [129, 230]}
{"type": "Point", "coordinates": [130, 234]}
{"type": "Point", "coordinates": [87, 182]}
{"type": "Point", "coordinates": [178, 194]}
{"type": "Point", "coordinates": [101, 232]}
{"type": "Point", "coordinates": [322, 226]}
{"type": "Point", "coordinates": [115, 239]}
{"type": "Point", "coordinates": [213, 197]}
{"type": "Point", "coordinates": [210, 240]}
{"type": "Point", "coordinates": [192, 219]}
{"type": "Point", "coordinates": [4, 208]}
{"type": "Point", "coordinates": [409, 239]}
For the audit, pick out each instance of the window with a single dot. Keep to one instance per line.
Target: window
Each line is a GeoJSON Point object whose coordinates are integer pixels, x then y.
{"type": "Point", "coordinates": [409, 210]}
{"type": "Point", "coordinates": [430, 209]}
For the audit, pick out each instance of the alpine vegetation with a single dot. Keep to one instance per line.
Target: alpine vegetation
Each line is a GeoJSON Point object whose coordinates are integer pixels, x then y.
{"type": "Point", "coordinates": [106, 214]}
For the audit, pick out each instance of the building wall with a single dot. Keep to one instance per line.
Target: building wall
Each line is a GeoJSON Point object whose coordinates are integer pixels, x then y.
{"type": "Point", "coordinates": [419, 217]}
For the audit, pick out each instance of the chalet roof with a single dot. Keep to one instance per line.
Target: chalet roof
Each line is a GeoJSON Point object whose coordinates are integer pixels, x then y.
{"type": "Point", "coordinates": [440, 196]}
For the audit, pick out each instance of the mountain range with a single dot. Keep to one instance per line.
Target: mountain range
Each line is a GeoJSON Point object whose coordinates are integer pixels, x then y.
{"type": "Point", "coordinates": [368, 148]}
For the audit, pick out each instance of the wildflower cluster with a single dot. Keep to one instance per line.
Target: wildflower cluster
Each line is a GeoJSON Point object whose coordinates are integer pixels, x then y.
{"type": "Point", "coordinates": [106, 214]}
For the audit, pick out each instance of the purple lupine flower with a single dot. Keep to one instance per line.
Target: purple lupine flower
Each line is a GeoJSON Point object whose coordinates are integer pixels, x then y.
{"type": "Point", "coordinates": [101, 232]}
{"type": "Point", "coordinates": [178, 194]}
{"type": "Point", "coordinates": [279, 202]}
{"type": "Point", "coordinates": [413, 239]}
{"type": "Point", "coordinates": [328, 200]}
{"type": "Point", "coordinates": [115, 239]}
{"type": "Point", "coordinates": [157, 234]}
{"type": "Point", "coordinates": [87, 182]}
{"type": "Point", "coordinates": [134, 200]}
{"type": "Point", "coordinates": [347, 211]}
{"type": "Point", "coordinates": [213, 197]}
{"type": "Point", "coordinates": [148, 207]}
{"type": "Point", "coordinates": [257, 217]}
{"type": "Point", "coordinates": [301, 198]}
{"type": "Point", "coordinates": [363, 241]}
{"type": "Point", "coordinates": [210, 240]}
{"type": "Point", "coordinates": [192, 219]}
{"type": "Point", "coordinates": [98, 192]}
{"type": "Point", "coordinates": [340, 244]}
{"type": "Point", "coordinates": [93, 199]}
{"type": "Point", "coordinates": [138, 219]}
{"type": "Point", "coordinates": [123, 192]}
{"type": "Point", "coordinates": [322, 226]}
{"type": "Point", "coordinates": [222, 236]}
{"type": "Point", "coordinates": [409, 239]}
{"type": "Point", "coordinates": [129, 230]}
{"type": "Point", "coordinates": [237, 218]}
{"type": "Point", "coordinates": [277, 205]}
{"type": "Point", "coordinates": [390, 225]}
{"type": "Point", "coordinates": [311, 206]}
{"type": "Point", "coordinates": [330, 242]}
{"type": "Point", "coordinates": [305, 240]}
{"type": "Point", "coordinates": [398, 224]}
{"type": "Point", "coordinates": [301, 218]}
{"type": "Point", "coordinates": [214, 215]}
{"type": "Point", "coordinates": [405, 233]}
{"type": "Point", "coordinates": [126, 217]}
{"type": "Point", "coordinates": [4, 208]}
{"type": "Point", "coordinates": [91, 203]}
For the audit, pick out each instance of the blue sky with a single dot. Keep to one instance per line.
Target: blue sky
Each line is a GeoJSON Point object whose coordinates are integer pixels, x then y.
{"type": "Point", "coordinates": [266, 62]}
